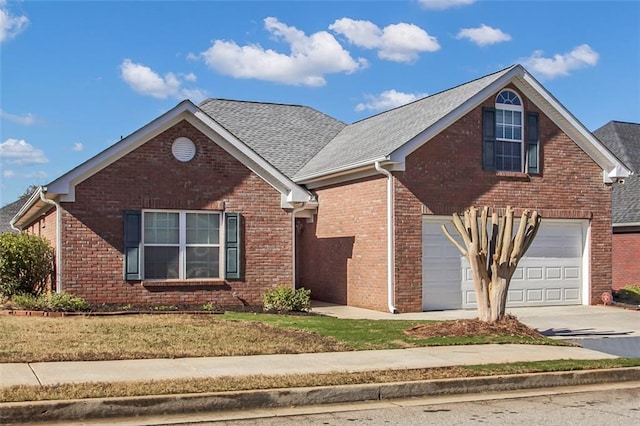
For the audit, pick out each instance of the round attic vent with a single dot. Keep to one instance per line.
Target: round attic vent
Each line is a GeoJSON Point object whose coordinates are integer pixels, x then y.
{"type": "Point", "coordinates": [183, 149]}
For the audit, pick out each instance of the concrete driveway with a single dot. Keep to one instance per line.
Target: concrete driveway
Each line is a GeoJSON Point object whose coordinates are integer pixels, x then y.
{"type": "Point", "coordinates": [608, 329]}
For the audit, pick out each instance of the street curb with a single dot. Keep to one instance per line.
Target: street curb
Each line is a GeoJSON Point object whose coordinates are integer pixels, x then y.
{"type": "Point", "coordinates": [104, 408]}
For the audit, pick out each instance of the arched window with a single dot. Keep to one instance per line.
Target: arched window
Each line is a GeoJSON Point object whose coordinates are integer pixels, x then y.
{"type": "Point", "coordinates": [509, 137]}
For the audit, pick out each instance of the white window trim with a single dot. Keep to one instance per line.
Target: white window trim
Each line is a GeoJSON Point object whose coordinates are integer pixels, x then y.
{"type": "Point", "coordinates": [182, 244]}
{"type": "Point", "coordinates": [520, 109]}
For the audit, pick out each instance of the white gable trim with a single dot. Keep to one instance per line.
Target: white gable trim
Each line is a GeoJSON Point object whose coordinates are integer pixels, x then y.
{"type": "Point", "coordinates": [65, 185]}
{"type": "Point", "coordinates": [612, 167]}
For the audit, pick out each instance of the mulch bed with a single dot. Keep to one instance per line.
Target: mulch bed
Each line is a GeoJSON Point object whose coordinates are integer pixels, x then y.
{"type": "Point", "coordinates": [509, 325]}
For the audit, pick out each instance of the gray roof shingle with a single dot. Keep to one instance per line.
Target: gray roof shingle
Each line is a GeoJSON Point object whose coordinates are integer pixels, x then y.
{"type": "Point", "coordinates": [8, 212]}
{"type": "Point", "coordinates": [623, 139]}
{"type": "Point", "coordinates": [287, 136]}
{"type": "Point", "coordinates": [382, 134]}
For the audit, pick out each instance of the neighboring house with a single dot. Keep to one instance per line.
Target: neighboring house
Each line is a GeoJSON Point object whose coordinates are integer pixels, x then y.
{"type": "Point", "coordinates": [221, 201]}
{"type": "Point", "coordinates": [7, 213]}
{"type": "Point", "coordinates": [623, 139]}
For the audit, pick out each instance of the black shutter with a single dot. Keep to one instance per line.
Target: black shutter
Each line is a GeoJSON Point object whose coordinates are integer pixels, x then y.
{"type": "Point", "coordinates": [488, 138]}
{"type": "Point", "coordinates": [132, 239]}
{"type": "Point", "coordinates": [233, 232]}
{"type": "Point", "coordinates": [533, 144]}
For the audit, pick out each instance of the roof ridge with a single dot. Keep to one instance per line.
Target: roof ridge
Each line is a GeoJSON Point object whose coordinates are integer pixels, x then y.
{"type": "Point", "coordinates": [254, 102]}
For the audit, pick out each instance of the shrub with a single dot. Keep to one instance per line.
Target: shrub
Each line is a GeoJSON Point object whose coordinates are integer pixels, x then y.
{"type": "Point", "coordinates": [63, 302]}
{"type": "Point", "coordinates": [57, 302]}
{"type": "Point", "coordinates": [26, 264]}
{"type": "Point", "coordinates": [285, 299]}
{"type": "Point", "coordinates": [29, 302]}
{"type": "Point", "coordinates": [630, 294]}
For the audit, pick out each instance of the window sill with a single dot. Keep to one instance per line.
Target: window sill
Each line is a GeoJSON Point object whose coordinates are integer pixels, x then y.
{"type": "Point", "coordinates": [514, 175]}
{"type": "Point", "coordinates": [183, 283]}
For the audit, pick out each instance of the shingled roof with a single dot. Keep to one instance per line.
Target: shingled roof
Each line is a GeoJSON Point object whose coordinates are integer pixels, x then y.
{"type": "Point", "coordinates": [379, 136]}
{"type": "Point", "coordinates": [287, 136]}
{"type": "Point", "coordinates": [623, 139]}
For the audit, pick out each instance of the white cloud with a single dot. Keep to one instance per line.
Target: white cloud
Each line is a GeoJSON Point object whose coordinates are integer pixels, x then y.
{"type": "Point", "coordinates": [19, 152]}
{"type": "Point", "coordinates": [32, 175]}
{"type": "Point", "coordinates": [561, 65]}
{"type": "Point", "coordinates": [191, 77]}
{"type": "Point", "coordinates": [387, 100]}
{"type": "Point", "coordinates": [10, 26]}
{"type": "Point", "coordinates": [309, 60]}
{"type": "Point", "coordinates": [397, 42]}
{"type": "Point", "coordinates": [145, 81]}
{"type": "Point", "coordinates": [444, 4]}
{"type": "Point", "coordinates": [483, 35]}
{"type": "Point", "coordinates": [78, 146]}
{"type": "Point", "coordinates": [26, 120]}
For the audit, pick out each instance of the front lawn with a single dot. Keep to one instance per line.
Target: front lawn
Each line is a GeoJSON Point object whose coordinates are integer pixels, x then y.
{"type": "Point", "coordinates": [36, 339]}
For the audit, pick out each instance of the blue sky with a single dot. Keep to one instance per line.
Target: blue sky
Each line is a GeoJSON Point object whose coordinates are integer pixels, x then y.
{"type": "Point", "coordinates": [76, 76]}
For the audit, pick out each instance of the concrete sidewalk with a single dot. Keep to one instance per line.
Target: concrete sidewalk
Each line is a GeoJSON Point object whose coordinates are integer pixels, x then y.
{"type": "Point", "coordinates": [50, 373]}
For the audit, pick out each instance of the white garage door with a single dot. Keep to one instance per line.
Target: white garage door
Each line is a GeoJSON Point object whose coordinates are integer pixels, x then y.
{"type": "Point", "coordinates": [549, 274]}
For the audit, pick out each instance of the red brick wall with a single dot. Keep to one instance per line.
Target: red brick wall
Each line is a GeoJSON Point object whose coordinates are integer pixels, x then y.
{"type": "Point", "coordinates": [44, 226]}
{"type": "Point", "coordinates": [342, 257]}
{"type": "Point", "coordinates": [445, 175]}
{"type": "Point", "coordinates": [626, 259]}
{"type": "Point", "coordinates": [150, 177]}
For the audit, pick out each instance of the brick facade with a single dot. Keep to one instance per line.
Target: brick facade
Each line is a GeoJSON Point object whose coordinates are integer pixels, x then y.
{"type": "Point", "coordinates": [344, 258]}
{"type": "Point", "coordinates": [626, 265]}
{"type": "Point", "coordinates": [150, 177]}
{"type": "Point", "coordinates": [445, 175]}
{"type": "Point", "coordinates": [343, 252]}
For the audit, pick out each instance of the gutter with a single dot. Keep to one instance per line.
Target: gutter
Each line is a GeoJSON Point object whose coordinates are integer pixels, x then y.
{"type": "Point", "coordinates": [58, 238]}
{"type": "Point", "coordinates": [390, 274]}
{"type": "Point", "coordinates": [293, 243]}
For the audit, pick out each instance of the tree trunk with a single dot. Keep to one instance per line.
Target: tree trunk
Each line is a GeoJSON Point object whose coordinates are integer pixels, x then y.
{"type": "Point", "coordinates": [493, 261]}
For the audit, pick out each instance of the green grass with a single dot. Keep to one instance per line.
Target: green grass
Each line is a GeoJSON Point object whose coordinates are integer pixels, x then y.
{"type": "Point", "coordinates": [222, 384]}
{"type": "Point", "coordinates": [630, 295]}
{"type": "Point", "coordinates": [377, 334]}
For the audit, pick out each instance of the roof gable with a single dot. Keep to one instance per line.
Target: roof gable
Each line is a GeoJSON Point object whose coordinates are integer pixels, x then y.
{"type": "Point", "coordinates": [65, 185]}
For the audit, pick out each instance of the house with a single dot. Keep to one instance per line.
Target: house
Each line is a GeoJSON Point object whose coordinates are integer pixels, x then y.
{"type": "Point", "coordinates": [218, 202]}
{"type": "Point", "coordinates": [623, 139]}
{"type": "Point", "coordinates": [7, 212]}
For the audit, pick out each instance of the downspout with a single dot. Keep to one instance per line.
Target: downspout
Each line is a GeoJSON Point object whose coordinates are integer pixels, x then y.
{"type": "Point", "coordinates": [293, 244]}
{"type": "Point", "coordinates": [58, 238]}
{"type": "Point", "coordinates": [390, 271]}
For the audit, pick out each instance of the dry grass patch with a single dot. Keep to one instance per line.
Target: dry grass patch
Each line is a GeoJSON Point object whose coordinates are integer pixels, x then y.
{"type": "Point", "coordinates": [37, 339]}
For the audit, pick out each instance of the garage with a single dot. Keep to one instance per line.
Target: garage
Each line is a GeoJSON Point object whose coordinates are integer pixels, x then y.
{"type": "Point", "coordinates": [551, 272]}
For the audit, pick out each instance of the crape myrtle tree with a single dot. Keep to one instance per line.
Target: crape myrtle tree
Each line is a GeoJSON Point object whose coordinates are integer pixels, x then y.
{"type": "Point", "coordinates": [493, 259]}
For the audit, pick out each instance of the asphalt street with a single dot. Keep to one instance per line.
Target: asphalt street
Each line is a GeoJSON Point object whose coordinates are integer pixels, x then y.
{"type": "Point", "coordinates": [620, 346]}
{"type": "Point", "coordinates": [608, 407]}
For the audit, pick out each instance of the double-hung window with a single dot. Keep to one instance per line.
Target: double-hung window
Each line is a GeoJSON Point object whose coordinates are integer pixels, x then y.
{"type": "Point", "coordinates": [181, 245]}
{"type": "Point", "coordinates": [509, 144]}
{"type": "Point", "coordinates": [510, 137]}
